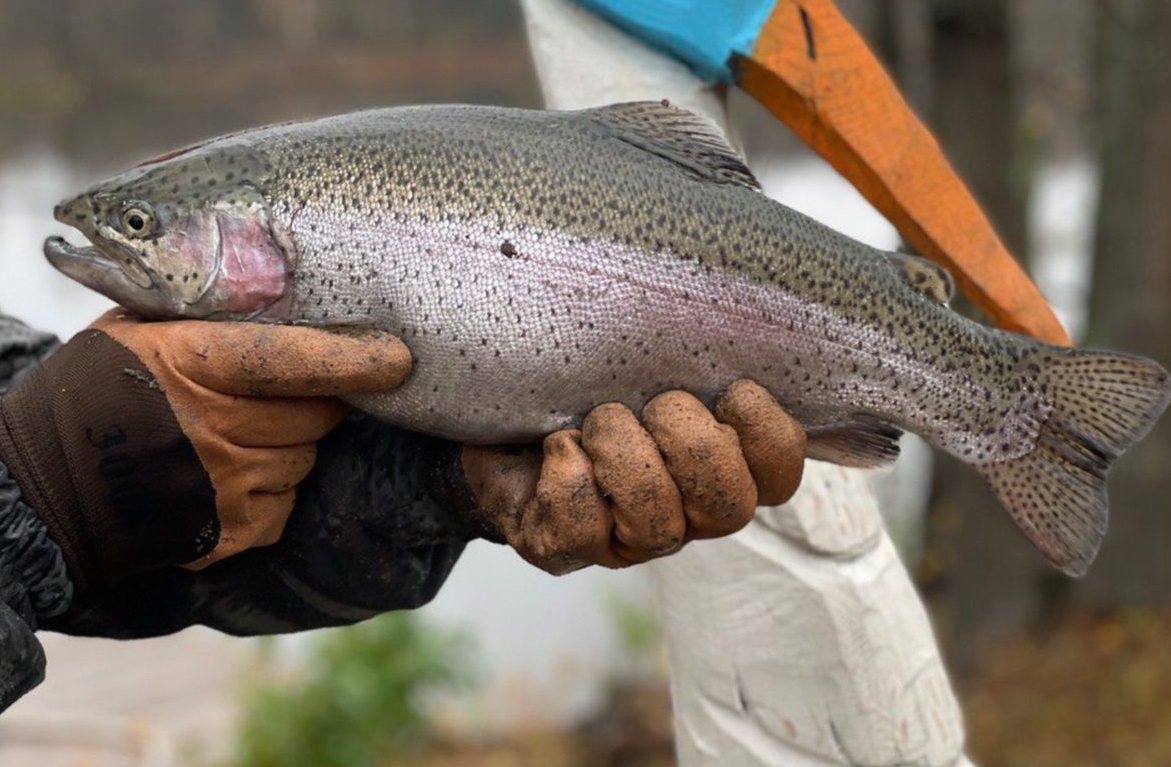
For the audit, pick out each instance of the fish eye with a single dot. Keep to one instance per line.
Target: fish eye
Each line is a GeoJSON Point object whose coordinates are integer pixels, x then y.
{"type": "Point", "coordinates": [137, 220]}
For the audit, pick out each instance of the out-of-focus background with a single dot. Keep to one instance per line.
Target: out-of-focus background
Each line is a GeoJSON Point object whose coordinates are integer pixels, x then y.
{"type": "Point", "coordinates": [1057, 112]}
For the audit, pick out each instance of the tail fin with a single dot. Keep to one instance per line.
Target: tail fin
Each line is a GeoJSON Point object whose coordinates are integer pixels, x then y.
{"type": "Point", "coordinates": [1103, 403]}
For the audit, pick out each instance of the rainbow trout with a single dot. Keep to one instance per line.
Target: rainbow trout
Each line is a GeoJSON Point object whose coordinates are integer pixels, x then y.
{"type": "Point", "coordinates": [540, 263]}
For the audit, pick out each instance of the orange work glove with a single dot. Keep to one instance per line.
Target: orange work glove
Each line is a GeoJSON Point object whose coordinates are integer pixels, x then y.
{"type": "Point", "coordinates": [619, 492]}
{"type": "Point", "coordinates": [150, 444]}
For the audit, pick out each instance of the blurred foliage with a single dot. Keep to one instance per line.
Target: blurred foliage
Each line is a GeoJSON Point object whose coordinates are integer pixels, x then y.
{"type": "Point", "coordinates": [632, 728]}
{"type": "Point", "coordinates": [1091, 691]}
{"type": "Point", "coordinates": [640, 635]}
{"type": "Point", "coordinates": [539, 747]}
{"type": "Point", "coordinates": [360, 698]}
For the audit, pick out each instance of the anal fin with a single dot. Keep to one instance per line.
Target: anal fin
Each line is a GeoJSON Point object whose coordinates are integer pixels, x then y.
{"type": "Point", "coordinates": [863, 444]}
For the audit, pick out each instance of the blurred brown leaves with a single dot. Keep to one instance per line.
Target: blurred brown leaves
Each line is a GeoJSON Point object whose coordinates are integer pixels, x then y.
{"type": "Point", "coordinates": [1091, 691]}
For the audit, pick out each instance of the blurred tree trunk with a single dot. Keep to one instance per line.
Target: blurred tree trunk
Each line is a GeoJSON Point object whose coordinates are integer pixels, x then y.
{"type": "Point", "coordinates": [902, 33]}
{"type": "Point", "coordinates": [1131, 301]}
{"type": "Point", "coordinates": [985, 573]}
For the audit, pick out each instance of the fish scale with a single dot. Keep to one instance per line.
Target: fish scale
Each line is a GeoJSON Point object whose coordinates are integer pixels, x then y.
{"type": "Point", "coordinates": [540, 263]}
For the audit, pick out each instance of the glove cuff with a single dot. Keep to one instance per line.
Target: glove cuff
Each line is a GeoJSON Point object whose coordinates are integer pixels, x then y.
{"type": "Point", "coordinates": [92, 442]}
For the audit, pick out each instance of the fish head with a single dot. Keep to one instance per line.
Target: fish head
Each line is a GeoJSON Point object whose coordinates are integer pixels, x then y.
{"type": "Point", "coordinates": [189, 235]}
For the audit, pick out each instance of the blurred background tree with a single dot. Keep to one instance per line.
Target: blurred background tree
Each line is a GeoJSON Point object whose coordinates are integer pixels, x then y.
{"type": "Point", "coordinates": [359, 699]}
{"type": "Point", "coordinates": [1130, 306]}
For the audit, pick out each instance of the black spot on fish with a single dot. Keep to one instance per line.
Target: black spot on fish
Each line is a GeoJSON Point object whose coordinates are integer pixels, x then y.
{"type": "Point", "coordinates": [508, 249]}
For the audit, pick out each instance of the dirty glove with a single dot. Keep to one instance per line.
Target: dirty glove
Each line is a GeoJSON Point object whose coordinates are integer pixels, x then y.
{"type": "Point", "coordinates": [619, 492]}
{"type": "Point", "coordinates": [149, 444]}
{"type": "Point", "coordinates": [385, 514]}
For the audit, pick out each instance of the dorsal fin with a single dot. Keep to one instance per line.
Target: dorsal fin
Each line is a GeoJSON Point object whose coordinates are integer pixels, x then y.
{"type": "Point", "coordinates": [927, 277]}
{"type": "Point", "coordinates": [677, 135]}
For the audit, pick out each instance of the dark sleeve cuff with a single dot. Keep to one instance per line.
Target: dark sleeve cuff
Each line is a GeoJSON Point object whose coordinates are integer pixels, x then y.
{"type": "Point", "coordinates": [21, 348]}
{"type": "Point", "coordinates": [378, 526]}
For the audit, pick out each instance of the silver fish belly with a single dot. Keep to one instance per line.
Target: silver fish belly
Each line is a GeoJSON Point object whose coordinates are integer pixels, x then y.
{"type": "Point", "coordinates": [517, 334]}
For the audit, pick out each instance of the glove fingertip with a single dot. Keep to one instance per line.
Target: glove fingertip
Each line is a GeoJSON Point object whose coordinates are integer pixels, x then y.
{"type": "Point", "coordinates": [672, 404]}
{"type": "Point", "coordinates": [772, 440]}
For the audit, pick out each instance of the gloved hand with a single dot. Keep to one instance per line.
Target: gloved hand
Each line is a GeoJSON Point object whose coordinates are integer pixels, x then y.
{"type": "Point", "coordinates": [618, 492]}
{"type": "Point", "coordinates": [385, 514]}
{"type": "Point", "coordinates": [150, 444]}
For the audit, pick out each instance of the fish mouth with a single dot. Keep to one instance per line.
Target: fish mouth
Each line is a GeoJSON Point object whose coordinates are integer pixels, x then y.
{"type": "Point", "coordinates": [80, 263]}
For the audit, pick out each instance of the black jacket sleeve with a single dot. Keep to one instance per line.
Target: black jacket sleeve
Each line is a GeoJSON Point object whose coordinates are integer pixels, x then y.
{"type": "Point", "coordinates": [33, 581]}
{"type": "Point", "coordinates": [377, 526]}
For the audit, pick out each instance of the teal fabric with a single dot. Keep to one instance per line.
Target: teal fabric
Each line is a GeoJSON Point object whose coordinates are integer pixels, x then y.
{"type": "Point", "coordinates": [702, 33]}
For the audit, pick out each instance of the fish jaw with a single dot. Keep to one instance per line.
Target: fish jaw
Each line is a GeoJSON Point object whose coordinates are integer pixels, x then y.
{"type": "Point", "coordinates": [123, 281]}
